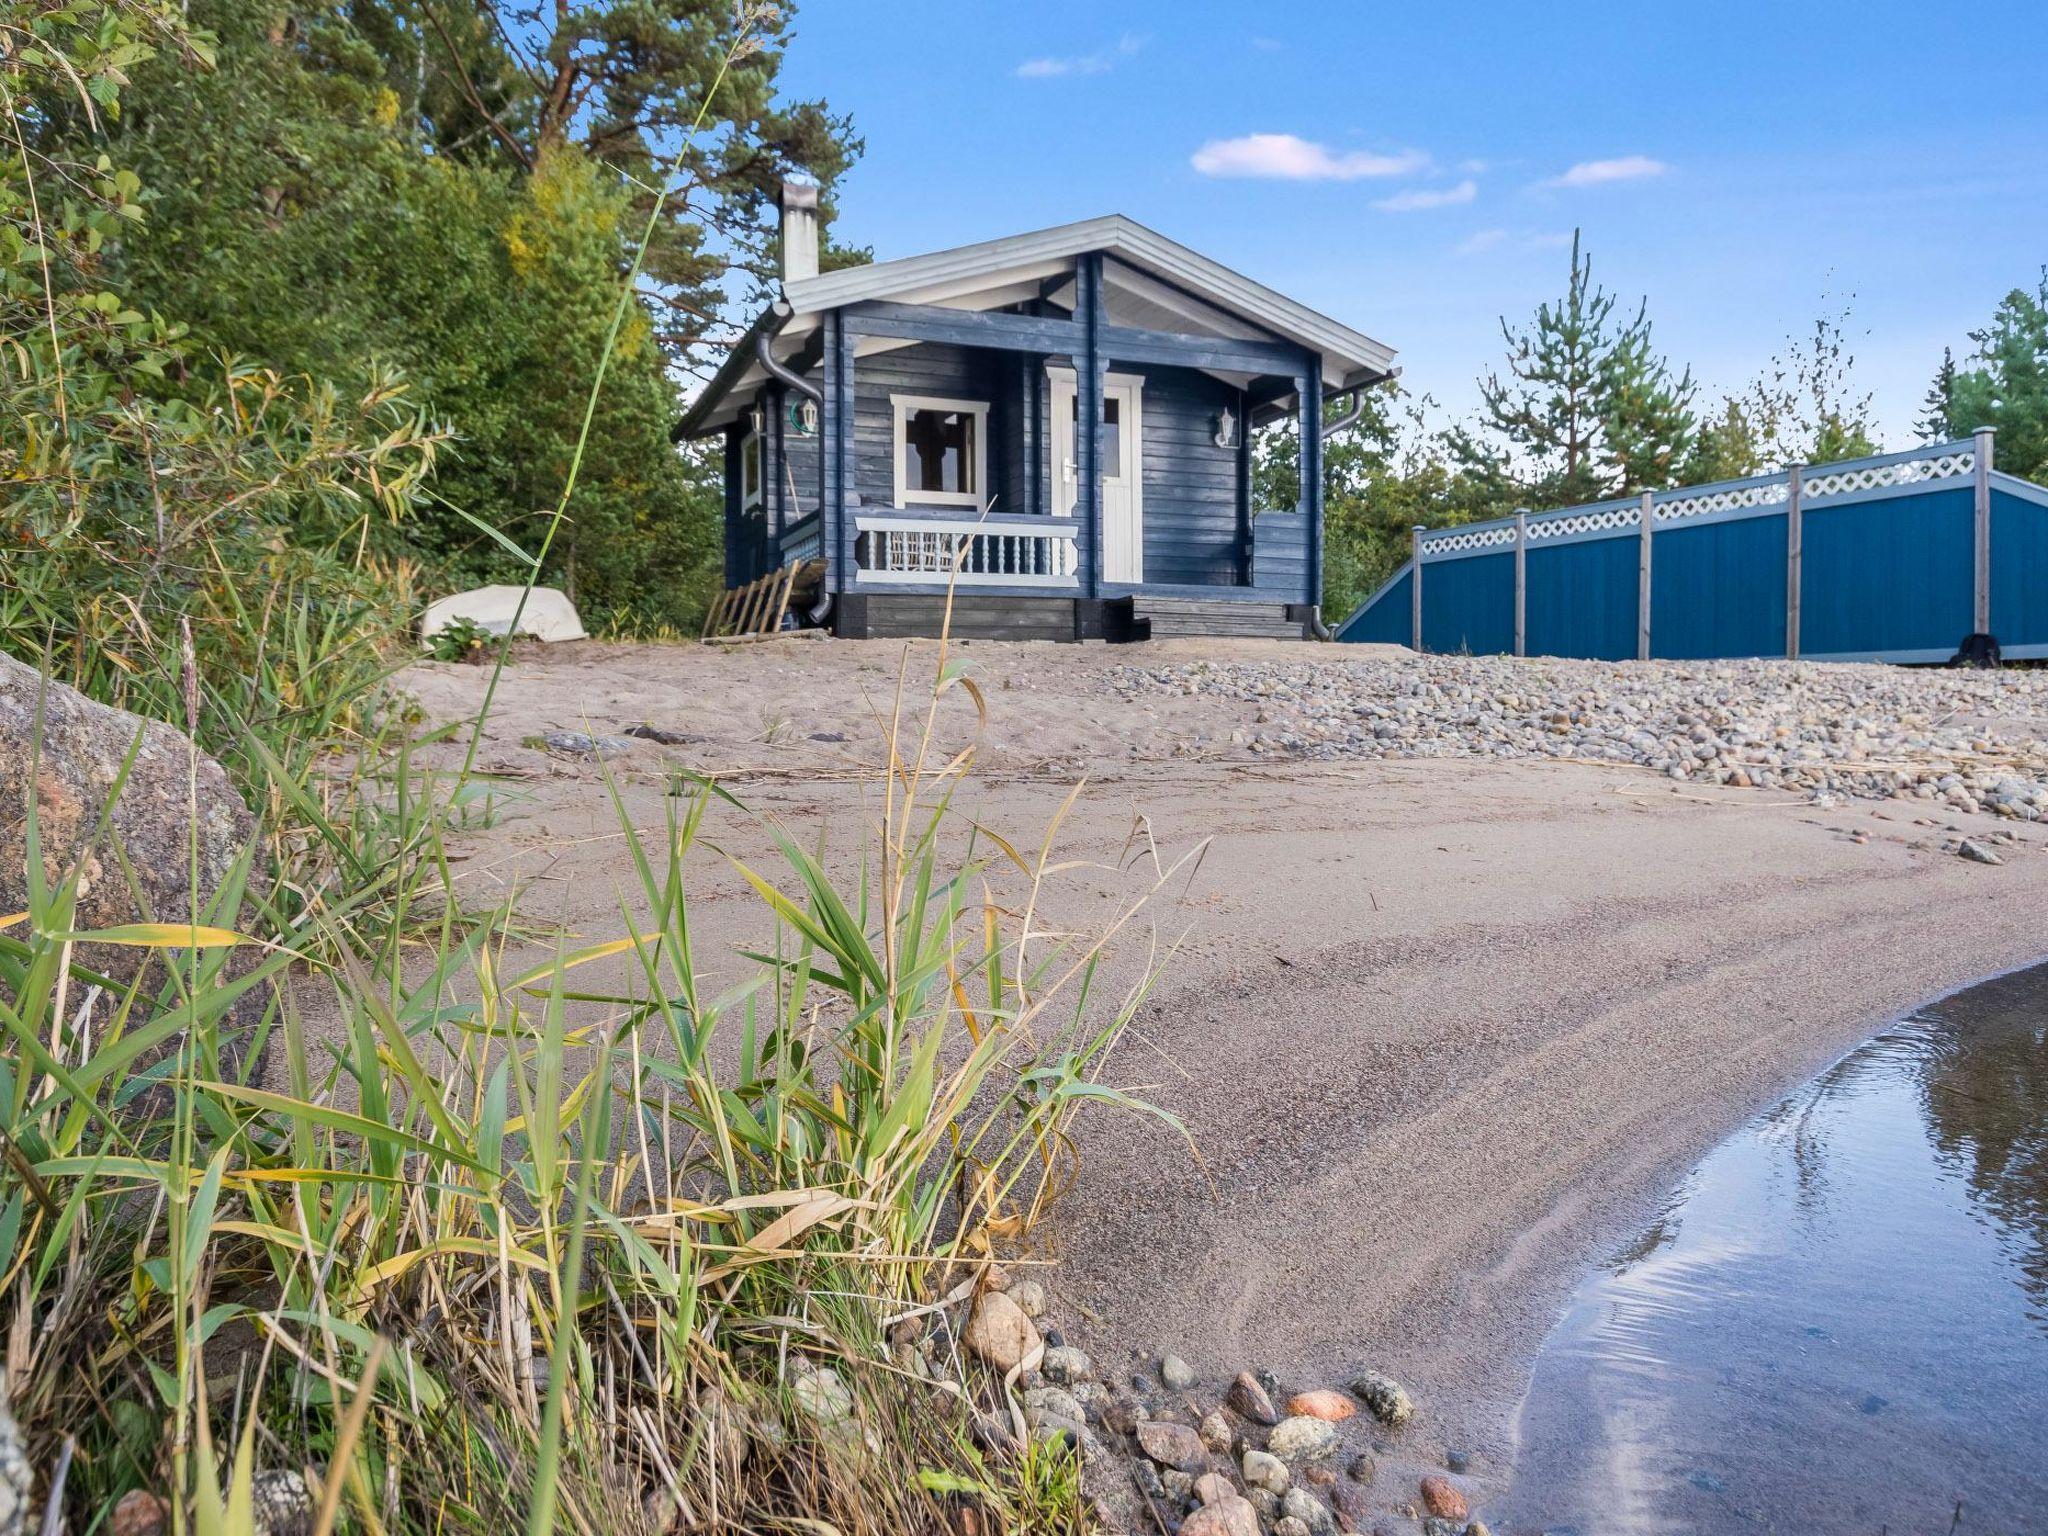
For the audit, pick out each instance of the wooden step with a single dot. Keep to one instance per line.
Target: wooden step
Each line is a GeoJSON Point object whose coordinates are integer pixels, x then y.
{"type": "Point", "coordinates": [1181, 617]}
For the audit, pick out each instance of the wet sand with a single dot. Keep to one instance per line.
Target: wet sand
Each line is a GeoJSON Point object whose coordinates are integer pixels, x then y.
{"type": "Point", "coordinates": [1444, 1032]}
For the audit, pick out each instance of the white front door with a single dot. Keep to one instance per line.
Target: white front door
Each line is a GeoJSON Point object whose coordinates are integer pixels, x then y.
{"type": "Point", "coordinates": [1123, 497]}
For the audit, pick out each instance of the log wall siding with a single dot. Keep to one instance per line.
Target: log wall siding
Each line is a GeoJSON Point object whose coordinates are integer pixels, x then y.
{"type": "Point", "coordinates": [1190, 484]}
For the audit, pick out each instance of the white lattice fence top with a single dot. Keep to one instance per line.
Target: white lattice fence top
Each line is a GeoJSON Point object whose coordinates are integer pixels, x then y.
{"type": "Point", "coordinates": [1584, 522]}
{"type": "Point", "coordinates": [1475, 538]}
{"type": "Point", "coordinates": [1942, 466]}
{"type": "Point", "coordinates": [1734, 498]}
{"type": "Point", "coordinates": [1776, 493]}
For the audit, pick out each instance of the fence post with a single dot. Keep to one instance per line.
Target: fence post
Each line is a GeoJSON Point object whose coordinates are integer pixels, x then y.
{"type": "Point", "coordinates": [1521, 581]}
{"type": "Point", "coordinates": [1795, 548]}
{"type": "Point", "coordinates": [1415, 596]}
{"type": "Point", "coordinates": [1643, 577]}
{"type": "Point", "coordinates": [1980, 620]}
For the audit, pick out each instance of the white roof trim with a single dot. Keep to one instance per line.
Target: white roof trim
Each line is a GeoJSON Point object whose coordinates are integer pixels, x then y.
{"type": "Point", "coordinates": [1346, 352]}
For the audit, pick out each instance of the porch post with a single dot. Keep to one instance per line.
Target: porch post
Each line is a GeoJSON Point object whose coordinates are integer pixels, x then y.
{"type": "Point", "coordinates": [835, 457]}
{"type": "Point", "coordinates": [1311, 477]}
{"type": "Point", "coordinates": [1247, 548]}
{"type": "Point", "coordinates": [830, 340]}
{"type": "Point", "coordinates": [1089, 384]}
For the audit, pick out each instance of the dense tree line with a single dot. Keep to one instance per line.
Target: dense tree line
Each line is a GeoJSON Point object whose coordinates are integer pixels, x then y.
{"type": "Point", "coordinates": [452, 193]}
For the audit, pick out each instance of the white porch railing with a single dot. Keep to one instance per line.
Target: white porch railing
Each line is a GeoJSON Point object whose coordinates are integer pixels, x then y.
{"type": "Point", "coordinates": [972, 552]}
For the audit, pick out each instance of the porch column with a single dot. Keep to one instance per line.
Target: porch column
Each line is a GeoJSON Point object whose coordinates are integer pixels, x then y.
{"type": "Point", "coordinates": [1247, 548]}
{"type": "Point", "coordinates": [1311, 476]}
{"type": "Point", "coordinates": [1089, 383]}
{"type": "Point", "coordinates": [835, 455]}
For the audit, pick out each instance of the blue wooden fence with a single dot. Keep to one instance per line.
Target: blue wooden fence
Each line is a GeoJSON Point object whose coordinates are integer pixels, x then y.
{"type": "Point", "coordinates": [1891, 558]}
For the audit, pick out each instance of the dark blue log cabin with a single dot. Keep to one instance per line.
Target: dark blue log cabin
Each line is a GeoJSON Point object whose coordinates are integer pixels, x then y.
{"type": "Point", "coordinates": [889, 426]}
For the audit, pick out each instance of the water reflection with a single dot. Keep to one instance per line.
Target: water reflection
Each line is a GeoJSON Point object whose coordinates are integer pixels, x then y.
{"type": "Point", "coordinates": [1987, 1110]}
{"type": "Point", "coordinates": [1841, 1321]}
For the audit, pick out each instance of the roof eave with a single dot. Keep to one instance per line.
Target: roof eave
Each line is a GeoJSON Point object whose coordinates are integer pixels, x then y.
{"type": "Point", "coordinates": [696, 420]}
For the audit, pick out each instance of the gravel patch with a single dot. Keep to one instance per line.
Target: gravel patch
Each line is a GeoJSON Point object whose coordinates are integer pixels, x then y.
{"type": "Point", "coordinates": [1970, 740]}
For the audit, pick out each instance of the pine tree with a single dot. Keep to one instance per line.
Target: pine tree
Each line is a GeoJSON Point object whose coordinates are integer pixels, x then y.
{"type": "Point", "coordinates": [1646, 416]}
{"type": "Point", "coordinates": [1589, 408]}
{"type": "Point", "coordinates": [1937, 421]}
{"type": "Point", "coordinates": [2006, 385]}
{"type": "Point", "coordinates": [1724, 448]}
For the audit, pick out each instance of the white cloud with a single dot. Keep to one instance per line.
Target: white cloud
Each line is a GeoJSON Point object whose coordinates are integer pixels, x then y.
{"type": "Point", "coordinates": [1284, 157]}
{"type": "Point", "coordinates": [1418, 198]}
{"type": "Point", "coordinates": [1100, 62]}
{"type": "Point", "coordinates": [1598, 173]}
{"type": "Point", "coordinates": [1483, 240]}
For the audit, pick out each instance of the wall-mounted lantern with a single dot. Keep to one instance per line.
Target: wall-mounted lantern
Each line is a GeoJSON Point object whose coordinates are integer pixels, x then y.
{"type": "Point", "coordinates": [1225, 429]}
{"type": "Point", "coordinates": [803, 417]}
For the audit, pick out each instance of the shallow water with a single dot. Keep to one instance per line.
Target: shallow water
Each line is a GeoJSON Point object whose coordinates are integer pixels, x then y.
{"type": "Point", "coordinates": [1840, 1323]}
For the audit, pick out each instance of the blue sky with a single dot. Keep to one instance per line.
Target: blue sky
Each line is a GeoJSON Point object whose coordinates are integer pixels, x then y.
{"type": "Point", "coordinates": [1417, 170]}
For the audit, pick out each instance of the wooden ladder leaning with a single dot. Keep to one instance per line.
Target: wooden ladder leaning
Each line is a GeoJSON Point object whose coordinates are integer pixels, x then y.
{"type": "Point", "coordinates": [754, 609]}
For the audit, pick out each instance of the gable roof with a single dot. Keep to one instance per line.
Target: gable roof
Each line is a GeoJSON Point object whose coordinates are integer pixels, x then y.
{"type": "Point", "coordinates": [1205, 295]}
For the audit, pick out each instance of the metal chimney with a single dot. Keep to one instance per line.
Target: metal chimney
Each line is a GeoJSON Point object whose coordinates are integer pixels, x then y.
{"type": "Point", "coordinates": [799, 230]}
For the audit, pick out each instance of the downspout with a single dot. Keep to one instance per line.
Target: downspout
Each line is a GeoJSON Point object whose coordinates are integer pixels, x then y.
{"type": "Point", "coordinates": [1349, 418]}
{"type": "Point", "coordinates": [1356, 394]}
{"type": "Point", "coordinates": [1316, 626]}
{"type": "Point", "coordinates": [764, 353]}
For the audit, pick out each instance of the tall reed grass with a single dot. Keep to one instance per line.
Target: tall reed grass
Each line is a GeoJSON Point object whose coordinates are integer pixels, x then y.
{"type": "Point", "coordinates": [572, 1242]}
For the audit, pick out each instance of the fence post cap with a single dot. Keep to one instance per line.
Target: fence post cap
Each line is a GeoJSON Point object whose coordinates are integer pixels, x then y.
{"type": "Point", "coordinates": [1982, 431]}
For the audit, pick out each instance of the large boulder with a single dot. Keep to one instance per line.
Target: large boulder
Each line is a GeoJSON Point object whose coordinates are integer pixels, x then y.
{"type": "Point", "coordinates": [68, 771]}
{"type": "Point", "coordinates": [548, 614]}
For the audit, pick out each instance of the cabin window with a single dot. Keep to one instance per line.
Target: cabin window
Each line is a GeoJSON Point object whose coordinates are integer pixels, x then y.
{"type": "Point", "coordinates": [750, 470]}
{"type": "Point", "coordinates": [941, 452]}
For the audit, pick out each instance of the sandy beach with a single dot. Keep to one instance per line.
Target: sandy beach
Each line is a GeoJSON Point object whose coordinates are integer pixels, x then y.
{"type": "Point", "coordinates": [1443, 1031]}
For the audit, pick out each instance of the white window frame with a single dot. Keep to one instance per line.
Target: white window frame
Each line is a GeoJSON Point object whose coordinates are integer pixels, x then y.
{"type": "Point", "coordinates": [749, 501]}
{"type": "Point", "coordinates": [901, 406]}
